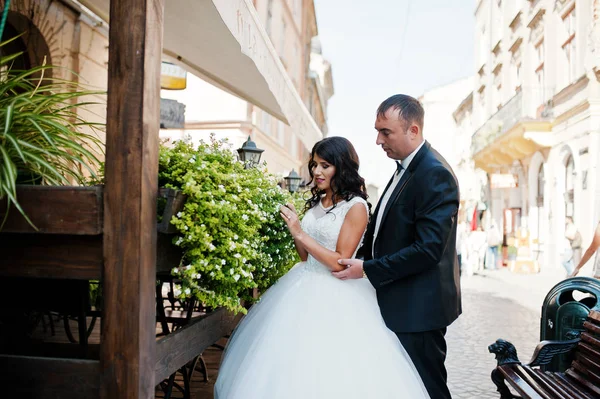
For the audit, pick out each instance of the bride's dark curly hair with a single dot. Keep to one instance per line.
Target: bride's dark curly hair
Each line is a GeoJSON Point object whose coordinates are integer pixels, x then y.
{"type": "Point", "coordinates": [346, 182]}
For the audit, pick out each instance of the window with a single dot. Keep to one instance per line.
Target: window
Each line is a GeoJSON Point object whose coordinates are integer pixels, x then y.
{"type": "Point", "coordinates": [569, 22]}
{"type": "Point", "coordinates": [569, 186]}
{"type": "Point", "coordinates": [540, 186]}
{"type": "Point", "coordinates": [280, 133]}
{"type": "Point", "coordinates": [22, 62]}
{"type": "Point", "coordinates": [266, 123]}
{"type": "Point", "coordinates": [571, 54]}
{"type": "Point", "coordinates": [269, 17]}
{"type": "Point", "coordinates": [282, 39]}
{"type": "Point", "coordinates": [539, 53]}
{"type": "Point", "coordinates": [294, 148]}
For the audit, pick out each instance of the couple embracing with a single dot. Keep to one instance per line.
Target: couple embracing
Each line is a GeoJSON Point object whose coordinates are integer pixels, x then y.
{"type": "Point", "coordinates": [364, 315]}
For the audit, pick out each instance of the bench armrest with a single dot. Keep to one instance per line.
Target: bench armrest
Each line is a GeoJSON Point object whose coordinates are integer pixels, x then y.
{"type": "Point", "coordinates": [546, 350]}
{"type": "Point", "coordinates": [544, 353]}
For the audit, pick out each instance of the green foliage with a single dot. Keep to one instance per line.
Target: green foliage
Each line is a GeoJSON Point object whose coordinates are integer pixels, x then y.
{"type": "Point", "coordinates": [230, 229]}
{"type": "Point", "coordinates": [41, 133]}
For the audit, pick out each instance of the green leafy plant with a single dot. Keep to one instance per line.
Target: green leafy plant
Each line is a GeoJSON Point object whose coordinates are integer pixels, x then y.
{"type": "Point", "coordinates": [231, 232]}
{"type": "Point", "coordinates": [42, 136]}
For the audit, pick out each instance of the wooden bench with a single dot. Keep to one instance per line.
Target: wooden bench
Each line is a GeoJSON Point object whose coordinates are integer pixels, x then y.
{"type": "Point", "coordinates": [580, 381]}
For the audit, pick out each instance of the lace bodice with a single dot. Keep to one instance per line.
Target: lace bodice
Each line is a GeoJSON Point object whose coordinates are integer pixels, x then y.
{"type": "Point", "coordinates": [325, 227]}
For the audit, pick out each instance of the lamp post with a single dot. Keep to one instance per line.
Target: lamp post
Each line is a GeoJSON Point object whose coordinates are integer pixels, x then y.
{"type": "Point", "coordinates": [249, 153]}
{"type": "Point", "coordinates": [292, 181]}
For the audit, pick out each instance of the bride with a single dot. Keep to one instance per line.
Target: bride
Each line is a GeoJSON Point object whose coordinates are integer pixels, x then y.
{"type": "Point", "coordinates": [312, 335]}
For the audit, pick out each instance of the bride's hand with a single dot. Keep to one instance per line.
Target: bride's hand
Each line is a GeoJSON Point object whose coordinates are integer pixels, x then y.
{"type": "Point", "coordinates": [289, 215]}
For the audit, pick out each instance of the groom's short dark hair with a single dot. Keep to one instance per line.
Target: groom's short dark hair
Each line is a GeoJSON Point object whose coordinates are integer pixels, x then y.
{"type": "Point", "coordinates": [409, 108]}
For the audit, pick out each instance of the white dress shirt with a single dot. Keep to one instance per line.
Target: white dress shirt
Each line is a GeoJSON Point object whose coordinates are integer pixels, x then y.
{"type": "Point", "coordinates": [386, 197]}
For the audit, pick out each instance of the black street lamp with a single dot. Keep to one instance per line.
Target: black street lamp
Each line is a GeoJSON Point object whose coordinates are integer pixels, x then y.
{"type": "Point", "coordinates": [249, 153]}
{"type": "Point", "coordinates": [292, 181]}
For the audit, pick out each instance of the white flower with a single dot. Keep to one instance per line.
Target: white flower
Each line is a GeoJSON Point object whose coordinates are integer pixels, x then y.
{"type": "Point", "coordinates": [236, 277]}
{"type": "Point", "coordinates": [231, 246]}
{"type": "Point", "coordinates": [212, 274]}
{"type": "Point", "coordinates": [179, 241]}
{"type": "Point", "coordinates": [187, 291]}
{"type": "Point", "coordinates": [186, 227]}
{"type": "Point", "coordinates": [190, 237]}
{"type": "Point", "coordinates": [217, 267]}
{"type": "Point", "coordinates": [223, 262]}
{"type": "Point", "coordinates": [197, 276]}
{"type": "Point", "coordinates": [179, 214]}
{"type": "Point", "coordinates": [174, 270]}
{"type": "Point", "coordinates": [243, 260]}
{"type": "Point", "coordinates": [245, 217]}
{"type": "Point", "coordinates": [221, 187]}
{"type": "Point", "coordinates": [235, 237]}
{"type": "Point", "coordinates": [245, 242]}
{"type": "Point", "coordinates": [176, 291]}
{"type": "Point", "coordinates": [237, 256]}
{"type": "Point", "coordinates": [211, 247]}
{"type": "Point", "coordinates": [231, 271]}
{"type": "Point", "coordinates": [188, 267]}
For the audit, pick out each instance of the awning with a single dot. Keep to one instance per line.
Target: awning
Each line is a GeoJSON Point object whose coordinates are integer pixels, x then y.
{"type": "Point", "coordinates": [224, 43]}
{"type": "Point", "coordinates": [521, 141]}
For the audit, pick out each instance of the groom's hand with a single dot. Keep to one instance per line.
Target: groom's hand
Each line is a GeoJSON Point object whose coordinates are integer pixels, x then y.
{"type": "Point", "coordinates": [354, 269]}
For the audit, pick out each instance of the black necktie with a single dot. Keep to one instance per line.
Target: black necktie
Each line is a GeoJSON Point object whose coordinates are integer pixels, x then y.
{"type": "Point", "coordinates": [399, 167]}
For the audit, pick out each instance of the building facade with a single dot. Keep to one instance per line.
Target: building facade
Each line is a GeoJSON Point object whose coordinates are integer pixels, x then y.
{"type": "Point", "coordinates": [292, 28]}
{"type": "Point", "coordinates": [535, 121]}
{"type": "Point", "coordinates": [66, 35]}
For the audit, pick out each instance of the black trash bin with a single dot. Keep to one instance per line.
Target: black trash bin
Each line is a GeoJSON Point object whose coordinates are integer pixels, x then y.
{"type": "Point", "coordinates": [564, 311]}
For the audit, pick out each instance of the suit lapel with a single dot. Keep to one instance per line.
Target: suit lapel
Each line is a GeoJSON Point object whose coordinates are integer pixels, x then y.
{"type": "Point", "coordinates": [397, 191]}
{"type": "Point", "coordinates": [408, 174]}
{"type": "Point", "coordinates": [374, 217]}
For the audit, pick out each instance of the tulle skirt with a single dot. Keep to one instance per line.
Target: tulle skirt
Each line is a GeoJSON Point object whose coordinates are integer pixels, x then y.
{"type": "Point", "coordinates": [312, 336]}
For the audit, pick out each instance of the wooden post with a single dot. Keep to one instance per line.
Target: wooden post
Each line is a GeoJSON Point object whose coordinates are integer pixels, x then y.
{"type": "Point", "coordinates": [128, 326]}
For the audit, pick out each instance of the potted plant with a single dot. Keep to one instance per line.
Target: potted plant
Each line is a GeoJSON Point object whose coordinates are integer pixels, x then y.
{"type": "Point", "coordinates": [43, 139]}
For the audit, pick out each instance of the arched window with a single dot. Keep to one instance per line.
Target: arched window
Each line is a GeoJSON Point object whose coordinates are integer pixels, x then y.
{"type": "Point", "coordinates": [540, 186]}
{"type": "Point", "coordinates": [22, 62]}
{"type": "Point", "coordinates": [31, 43]}
{"type": "Point", "coordinates": [569, 186]}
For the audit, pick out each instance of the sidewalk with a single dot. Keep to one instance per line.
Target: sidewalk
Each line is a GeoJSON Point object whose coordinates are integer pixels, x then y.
{"type": "Point", "coordinates": [528, 290]}
{"type": "Point", "coordinates": [496, 304]}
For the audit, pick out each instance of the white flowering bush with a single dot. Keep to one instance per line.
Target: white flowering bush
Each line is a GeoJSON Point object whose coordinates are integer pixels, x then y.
{"type": "Point", "coordinates": [230, 230]}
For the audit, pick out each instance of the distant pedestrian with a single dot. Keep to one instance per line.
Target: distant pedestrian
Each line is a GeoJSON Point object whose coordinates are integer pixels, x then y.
{"type": "Point", "coordinates": [494, 240]}
{"type": "Point", "coordinates": [592, 249]}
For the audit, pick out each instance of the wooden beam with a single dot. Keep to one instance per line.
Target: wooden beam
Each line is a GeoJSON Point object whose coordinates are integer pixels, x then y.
{"type": "Point", "coordinates": [128, 328]}
{"type": "Point", "coordinates": [51, 256]}
{"type": "Point", "coordinates": [181, 346]}
{"type": "Point", "coordinates": [71, 257]}
{"type": "Point", "coordinates": [56, 210]}
{"type": "Point", "coordinates": [41, 378]}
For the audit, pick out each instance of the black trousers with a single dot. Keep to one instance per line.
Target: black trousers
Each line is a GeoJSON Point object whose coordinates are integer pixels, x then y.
{"type": "Point", "coordinates": [428, 352]}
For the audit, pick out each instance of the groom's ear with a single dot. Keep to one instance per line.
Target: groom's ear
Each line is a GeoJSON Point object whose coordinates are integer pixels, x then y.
{"type": "Point", "coordinates": [414, 130]}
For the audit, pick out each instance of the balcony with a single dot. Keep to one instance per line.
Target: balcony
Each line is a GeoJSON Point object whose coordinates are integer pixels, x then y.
{"type": "Point", "coordinates": [498, 123]}
{"type": "Point", "coordinates": [515, 130]}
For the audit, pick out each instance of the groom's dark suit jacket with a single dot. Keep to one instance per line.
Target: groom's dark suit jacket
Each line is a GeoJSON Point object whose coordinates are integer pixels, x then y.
{"type": "Point", "coordinates": [415, 268]}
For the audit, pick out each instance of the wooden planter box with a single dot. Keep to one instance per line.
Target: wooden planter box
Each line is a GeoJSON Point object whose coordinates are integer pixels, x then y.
{"type": "Point", "coordinates": [69, 245]}
{"type": "Point", "coordinates": [68, 242]}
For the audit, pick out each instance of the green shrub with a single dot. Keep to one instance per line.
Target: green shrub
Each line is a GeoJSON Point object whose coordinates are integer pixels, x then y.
{"type": "Point", "coordinates": [230, 230]}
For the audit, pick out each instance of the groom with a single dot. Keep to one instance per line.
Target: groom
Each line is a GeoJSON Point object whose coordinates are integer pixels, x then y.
{"type": "Point", "coordinates": [409, 247]}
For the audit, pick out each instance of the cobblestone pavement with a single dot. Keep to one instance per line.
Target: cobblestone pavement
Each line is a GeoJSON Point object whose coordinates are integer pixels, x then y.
{"type": "Point", "coordinates": [496, 304]}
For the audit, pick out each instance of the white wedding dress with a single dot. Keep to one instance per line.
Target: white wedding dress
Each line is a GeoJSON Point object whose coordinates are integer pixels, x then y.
{"type": "Point", "coordinates": [312, 336]}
